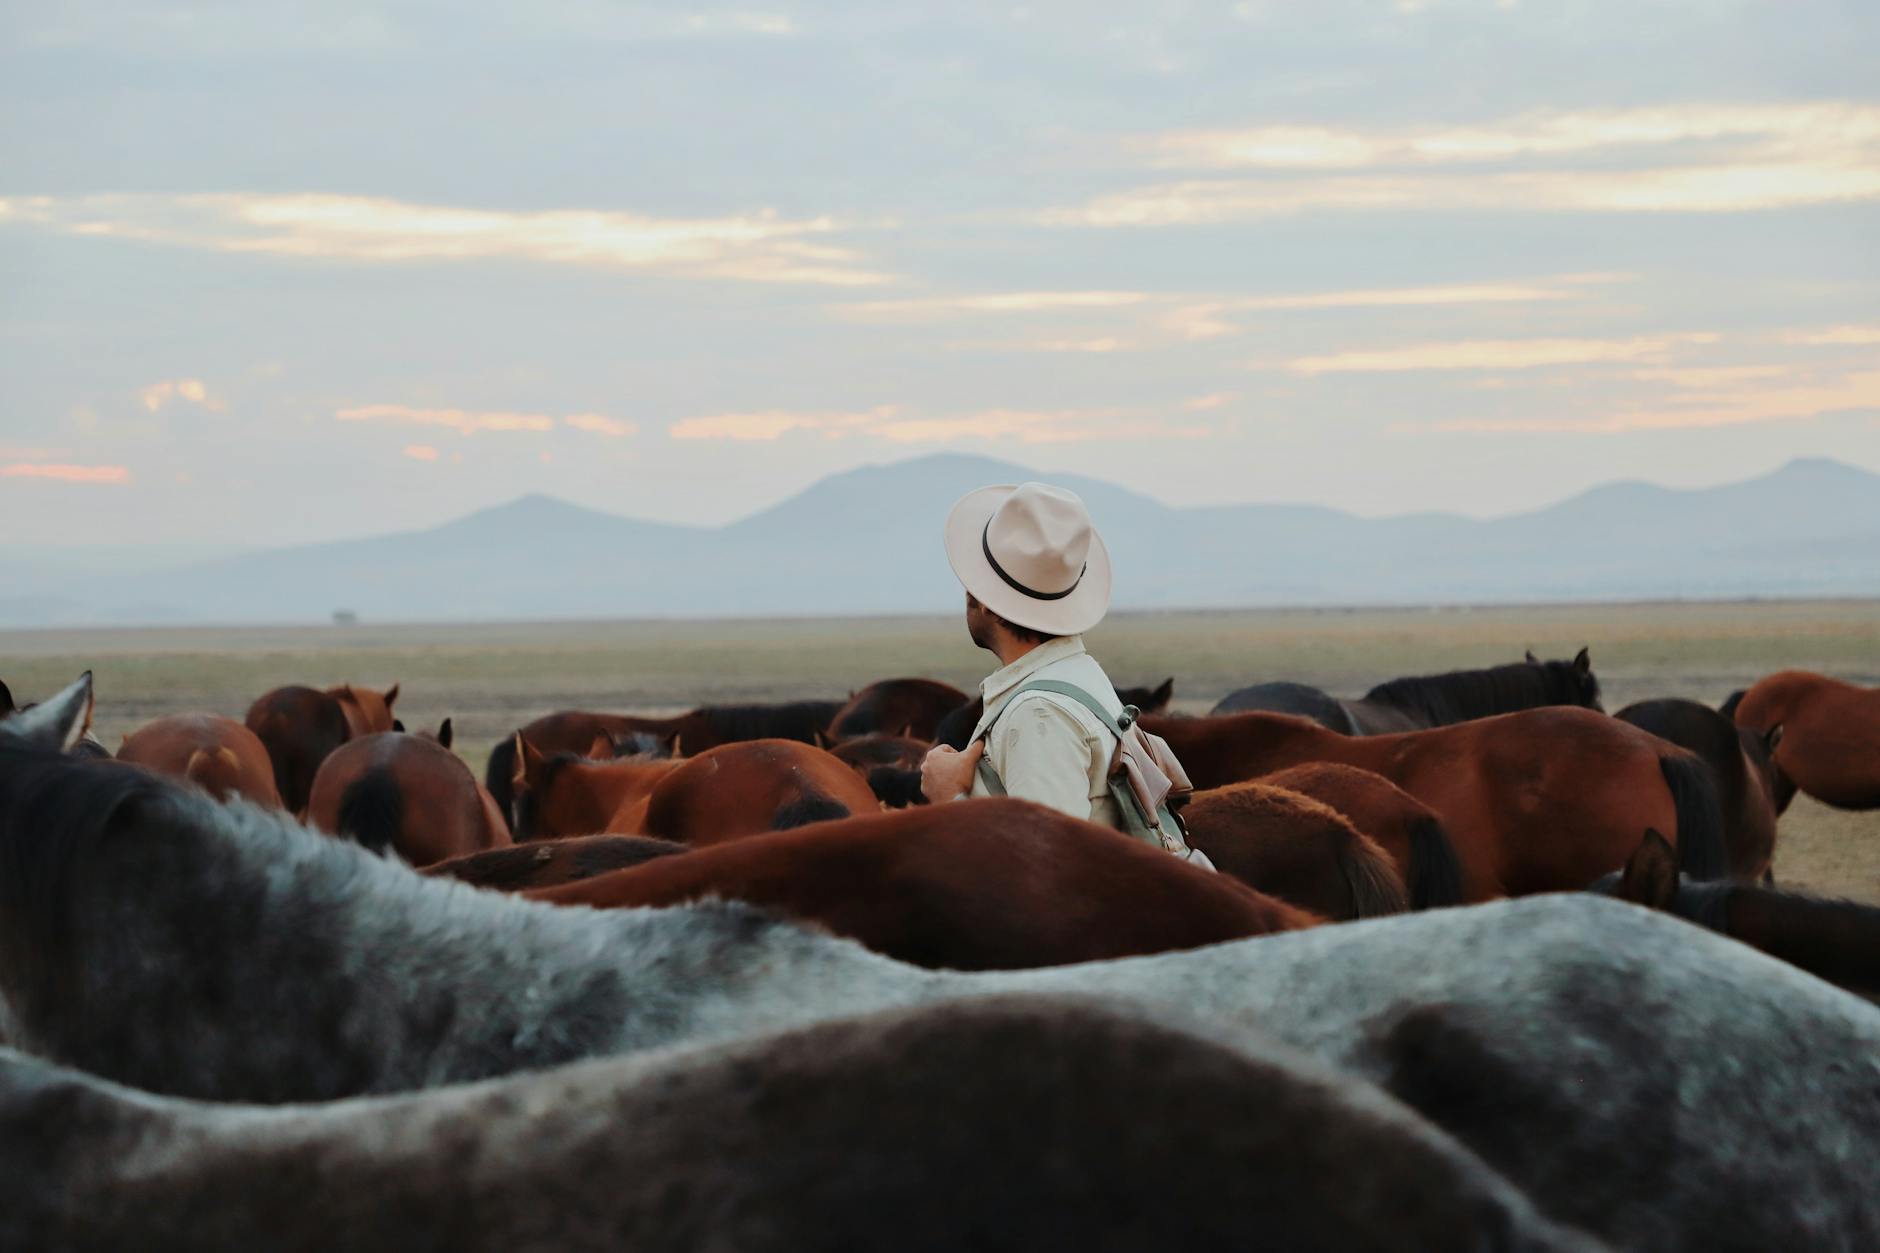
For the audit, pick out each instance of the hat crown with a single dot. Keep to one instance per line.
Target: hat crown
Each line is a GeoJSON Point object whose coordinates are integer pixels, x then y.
{"type": "Point", "coordinates": [1039, 537]}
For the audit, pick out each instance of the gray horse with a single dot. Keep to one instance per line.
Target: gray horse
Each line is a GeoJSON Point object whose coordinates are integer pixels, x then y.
{"type": "Point", "coordinates": [1641, 1079]}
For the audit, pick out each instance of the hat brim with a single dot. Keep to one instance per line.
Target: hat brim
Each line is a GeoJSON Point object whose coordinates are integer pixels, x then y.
{"type": "Point", "coordinates": [966, 553]}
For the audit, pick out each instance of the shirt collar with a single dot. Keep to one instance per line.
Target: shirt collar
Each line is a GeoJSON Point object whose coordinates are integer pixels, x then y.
{"type": "Point", "coordinates": [1001, 681]}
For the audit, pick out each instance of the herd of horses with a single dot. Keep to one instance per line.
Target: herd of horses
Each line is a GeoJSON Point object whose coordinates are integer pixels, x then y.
{"type": "Point", "coordinates": [291, 923]}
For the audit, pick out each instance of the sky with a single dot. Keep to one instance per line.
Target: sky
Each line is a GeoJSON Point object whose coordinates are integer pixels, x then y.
{"type": "Point", "coordinates": [275, 273]}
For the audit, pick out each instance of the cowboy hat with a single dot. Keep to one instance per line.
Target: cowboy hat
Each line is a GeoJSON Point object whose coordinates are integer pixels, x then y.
{"type": "Point", "coordinates": [1030, 554]}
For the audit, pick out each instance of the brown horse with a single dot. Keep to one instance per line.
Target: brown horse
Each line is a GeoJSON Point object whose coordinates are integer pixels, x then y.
{"type": "Point", "coordinates": [411, 795]}
{"type": "Point", "coordinates": [1539, 801]}
{"type": "Point", "coordinates": [708, 726]}
{"type": "Point", "coordinates": [1830, 745]}
{"type": "Point", "coordinates": [972, 885]}
{"type": "Point", "coordinates": [556, 794]}
{"type": "Point", "coordinates": [1744, 766]}
{"type": "Point", "coordinates": [1290, 846]}
{"type": "Point", "coordinates": [1408, 830]}
{"type": "Point", "coordinates": [300, 726]}
{"type": "Point", "coordinates": [546, 863]}
{"type": "Point", "coordinates": [912, 707]}
{"type": "Point", "coordinates": [1838, 941]}
{"type": "Point", "coordinates": [890, 764]}
{"type": "Point", "coordinates": [219, 755]}
{"type": "Point", "coordinates": [957, 727]}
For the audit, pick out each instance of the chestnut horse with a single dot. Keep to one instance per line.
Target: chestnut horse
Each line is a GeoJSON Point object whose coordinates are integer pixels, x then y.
{"type": "Point", "coordinates": [708, 726]}
{"type": "Point", "coordinates": [300, 726]}
{"type": "Point", "coordinates": [985, 884]}
{"type": "Point", "coordinates": [1745, 770]}
{"type": "Point", "coordinates": [1830, 745]}
{"type": "Point", "coordinates": [957, 727]}
{"type": "Point", "coordinates": [1290, 846]}
{"type": "Point", "coordinates": [912, 707]}
{"type": "Point", "coordinates": [1407, 829]}
{"type": "Point", "coordinates": [405, 793]}
{"type": "Point", "coordinates": [219, 755]}
{"type": "Point", "coordinates": [1835, 940]}
{"type": "Point", "coordinates": [1539, 801]}
{"type": "Point", "coordinates": [545, 863]}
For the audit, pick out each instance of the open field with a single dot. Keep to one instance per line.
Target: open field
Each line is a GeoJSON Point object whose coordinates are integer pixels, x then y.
{"type": "Point", "coordinates": [490, 677]}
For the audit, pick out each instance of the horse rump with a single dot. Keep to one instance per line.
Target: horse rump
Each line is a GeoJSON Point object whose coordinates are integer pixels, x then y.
{"type": "Point", "coordinates": [807, 809]}
{"type": "Point", "coordinates": [1693, 786]}
{"type": "Point", "coordinates": [371, 811]}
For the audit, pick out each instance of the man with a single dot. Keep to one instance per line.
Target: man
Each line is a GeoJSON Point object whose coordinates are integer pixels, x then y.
{"type": "Point", "coordinates": [1036, 576]}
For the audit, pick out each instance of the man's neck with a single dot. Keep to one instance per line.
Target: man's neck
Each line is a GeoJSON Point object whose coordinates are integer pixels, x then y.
{"type": "Point", "coordinates": [1009, 648]}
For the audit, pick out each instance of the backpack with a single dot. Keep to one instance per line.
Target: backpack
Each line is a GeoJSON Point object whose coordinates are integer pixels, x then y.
{"type": "Point", "coordinates": [1147, 783]}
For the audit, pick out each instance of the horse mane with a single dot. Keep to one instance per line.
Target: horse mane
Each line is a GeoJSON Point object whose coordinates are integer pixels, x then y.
{"type": "Point", "coordinates": [1463, 695]}
{"type": "Point", "coordinates": [794, 720]}
{"type": "Point", "coordinates": [527, 802]}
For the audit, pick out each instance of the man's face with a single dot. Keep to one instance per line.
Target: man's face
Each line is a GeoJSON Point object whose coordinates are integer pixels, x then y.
{"type": "Point", "coordinates": [978, 622]}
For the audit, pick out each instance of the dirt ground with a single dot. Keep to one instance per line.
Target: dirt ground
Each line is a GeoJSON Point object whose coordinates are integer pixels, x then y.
{"type": "Point", "coordinates": [491, 677]}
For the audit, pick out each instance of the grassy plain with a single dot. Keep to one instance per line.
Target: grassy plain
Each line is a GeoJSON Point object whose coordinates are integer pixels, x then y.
{"type": "Point", "coordinates": [491, 677]}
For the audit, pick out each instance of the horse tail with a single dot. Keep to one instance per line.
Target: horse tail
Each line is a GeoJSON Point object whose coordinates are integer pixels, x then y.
{"type": "Point", "coordinates": [1728, 708]}
{"type": "Point", "coordinates": [808, 808]}
{"type": "Point", "coordinates": [371, 810]}
{"type": "Point", "coordinates": [499, 775]}
{"type": "Point", "coordinates": [1693, 786]}
{"type": "Point", "coordinates": [1376, 887]}
{"type": "Point", "coordinates": [896, 788]}
{"type": "Point", "coordinates": [1435, 870]}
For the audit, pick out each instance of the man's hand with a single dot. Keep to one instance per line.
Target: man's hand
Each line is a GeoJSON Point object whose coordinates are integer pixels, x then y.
{"type": "Point", "coordinates": [946, 773]}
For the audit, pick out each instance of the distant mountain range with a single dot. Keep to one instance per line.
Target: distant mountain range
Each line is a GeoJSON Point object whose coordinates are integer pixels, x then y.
{"type": "Point", "coordinates": [868, 541]}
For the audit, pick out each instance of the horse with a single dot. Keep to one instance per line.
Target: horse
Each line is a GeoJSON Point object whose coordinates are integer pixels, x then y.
{"type": "Point", "coordinates": [705, 1148]}
{"type": "Point", "coordinates": [890, 764]}
{"type": "Point", "coordinates": [6, 700]}
{"type": "Point", "coordinates": [145, 931]}
{"type": "Point", "coordinates": [300, 726]}
{"type": "Point", "coordinates": [545, 863]}
{"type": "Point", "coordinates": [910, 707]}
{"type": "Point", "coordinates": [1744, 765]}
{"type": "Point", "coordinates": [1290, 846]}
{"type": "Point", "coordinates": [1834, 940]}
{"type": "Point", "coordinates": [1404, 827]}
{"type": "Point", "coordinates": [1830, 744]}
{"type": "Point", "coordinates": [1423, 701]}
{"type": "Point", "coordinates": [708, 726]}
{"type": "Point", "coordinates": [956, 729]}
{"type": "Point", "coordinates": [1539, 801]}
{"type": "Point", "coordinates": [733, 790]}
{"type": "Point", "coordinates": [219, 755]}
{"type": "Point", "coordinates": [405, 794]}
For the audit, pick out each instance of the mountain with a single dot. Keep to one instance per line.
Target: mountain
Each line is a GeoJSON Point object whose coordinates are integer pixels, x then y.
{"type": "Point", "coordinates": [867, 541]}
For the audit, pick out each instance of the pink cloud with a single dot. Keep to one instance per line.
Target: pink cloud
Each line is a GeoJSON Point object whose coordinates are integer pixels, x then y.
{"type": "Point", "coordinates": [421, 452]}
{"type": "Point", "coordinates": [66, 473]}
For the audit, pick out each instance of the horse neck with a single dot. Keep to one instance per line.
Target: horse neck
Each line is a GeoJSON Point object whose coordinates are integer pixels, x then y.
{"type": "Point", "coordinates": [1442, 699]}
{"type": "Point", "coordinates": [1838, 941]}
{"type": "Point", "coordinates": [599, 790]}
{"type": "Point", "coordinates": [1242, 746]}
{"type": "Point", "coordinates": [358, 721]}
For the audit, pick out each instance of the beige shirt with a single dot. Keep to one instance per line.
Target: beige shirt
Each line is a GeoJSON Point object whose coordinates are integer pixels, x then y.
{"type": "Point", "coordinates": [1048, 748]}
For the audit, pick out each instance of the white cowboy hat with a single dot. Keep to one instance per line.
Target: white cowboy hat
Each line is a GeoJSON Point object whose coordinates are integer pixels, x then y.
{"type": "Point", "coordinates": [1030, 554]}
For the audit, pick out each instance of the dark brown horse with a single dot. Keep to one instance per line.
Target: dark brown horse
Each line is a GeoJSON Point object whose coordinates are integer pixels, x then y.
{"type": "Point", "coordinates": [1838, 941]}
{"type": "Point", "coordinates": [1436, 700]}
{"type": "Point", "coordinates": [217, 754]}
{"type": "Point", "coordinates": [1830, 744]}
{"type": "Point", "coordinates": [1288, 845]}
{"type": "Point", "coordinates": [1541, 801]}
{"type": "Point", "coordinates": [912, 707]}
{"type": "Point", "coordinates": [300, 726]}
{"type": "Point", "coordinates": [1407, 829]}
{"type": "Point", "coordinates": [957, 727]}
{"type": "Point", "coordinates": [6, 700]}
{"type": "Point", "coordinates": [407, 794]}
{"type": "Point", "coordinates": [890, 764]}
{"type": "Point", "coordinates": [546, 863]}
{"type": "Point", "coordinates": [971, 885]}
{"type": "Point", "coordinates": [708, 726]}
{"type": "Point", "coordinates": [1745, 770]}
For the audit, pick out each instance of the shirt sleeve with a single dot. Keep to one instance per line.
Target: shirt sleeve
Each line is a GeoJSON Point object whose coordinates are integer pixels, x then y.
{"type": "Point", "coordinates": [1041, 755]}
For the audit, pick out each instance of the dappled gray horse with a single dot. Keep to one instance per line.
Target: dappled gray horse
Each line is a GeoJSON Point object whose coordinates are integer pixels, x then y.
{"type": "Point", "coordinates": [1639, 1078]}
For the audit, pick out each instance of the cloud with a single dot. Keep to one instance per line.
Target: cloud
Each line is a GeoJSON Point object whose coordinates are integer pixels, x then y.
{"type": "Point", "coordinates": [597, 424]}
{"type": "Point", "coordinates": [935, 308]}
{"type": "Point", "coordinates": [1497, 354]}
{"type": "Point", "coordinates": [159, 396]}
{"type": "Point", "coordinates": [463, 421]}
{"type": "Point", "coordinates": [892, 424]}
{"type": "Point", "coordinates": [1835, 335]}
{"type": "Point", "coordinates": [66, 473]}
{"type": "Point", "coordinates": [758, 247]}
{"type": "Point", "coordinates": [745, 23]}
{"type": "Point", "coordinates": [421, 452]}
{"type": "Point", "coordinates": [1213, 400]}
{"type": "Point", "coordinates": [1687, 158]}
{"type": "Point", "coordinates": [1723, 405]}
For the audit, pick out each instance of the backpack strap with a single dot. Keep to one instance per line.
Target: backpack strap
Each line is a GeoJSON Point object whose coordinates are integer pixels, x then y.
{"type": "Point", "coordinates": [1116, 725]}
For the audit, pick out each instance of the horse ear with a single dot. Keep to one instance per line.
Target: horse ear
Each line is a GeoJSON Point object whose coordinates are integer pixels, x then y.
{"type": "Point", "coordinates": [1651, 873]}
{"type": "Point", "coordinates": [528, 763]}
{"type": "Point", "coordinates": [603, 748]}
{"type": "Point", "coordinates": [672, 746]}
{"type": "Point", "coordinates": [391, 695]}
{"type": "Point", "coordinates": [1532, 660]}
{"type": "Point", "coordinates": [1165, 693]}
{"type": "Point", "coordinates": [446, 733]}
{"type": "Point", "coordinates": [398, 726]}
{"type": "Point", "coordinates": [1772, 738]}
{"type": "Point", "coordinates": [1583, 661]}
{"type": "Point", "coordinates": [822, 740]}
{"type": "Point", "coordinates": [6, 700]}
{"type": "Point", "coordinates": [58, 723]}
{"type": "Point", "coordinates": [907, 732]}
